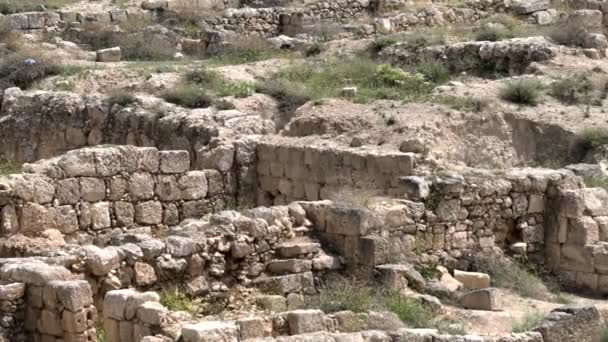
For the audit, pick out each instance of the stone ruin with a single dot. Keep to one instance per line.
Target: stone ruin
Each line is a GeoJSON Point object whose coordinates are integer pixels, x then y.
{"type": "Point", "coordinates": [87, 237]}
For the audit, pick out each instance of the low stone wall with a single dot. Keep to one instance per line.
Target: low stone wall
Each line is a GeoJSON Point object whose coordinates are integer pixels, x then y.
{"type": "Point", "coordinates": [294, 172]}
{"type": "Point", "coordinates": [513, 55]}
{"type": "Point", "coordinates": [90, 191]}
{"type": "Point", "coordinates": [581, 324]}
{"type": "Point", "coordinates": [128, 315]}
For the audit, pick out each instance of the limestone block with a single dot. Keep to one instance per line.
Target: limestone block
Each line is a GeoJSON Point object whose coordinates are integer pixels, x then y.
{"type": "Point", "coordinates": [289, 266]}
{"type": "Point", "coordinates": [373, 250]}
{"type": "Point", "coordinates": [254, 327]}
{"type": "Point", "coordinates": [273, 303]}
{"type": "Point", "coordinates": [536, 203]}
{"type": "Point", "coordinates": [68, 191]}
{"type": "Point", "coordinates": [220, 158]}
{"type": "Point", "coordinates": [50, 323]}
{"type": "Point", "coordinates": [33, 188]}
{"type": "Point", "coordinates": [305, 321]}
{"type": "Point", "coordinates": [152, 313]}
{"type": "Point", "coordinates": [74, 322]}
{"type": "Point", "coordinates": [210, 331]}
{"type": "Point", "coordinates": [99, 261]}
{"type": "Point", "coordinates": [483, 299]}
{"type": "Point", "coordinates": [472, 280]}
{"type": "Point", "coordinates": [586, 18]}
{"type": "Point", "coordinates": [92, 189]}
{"type": "Point", "coordinates": [141, 186]}
{"type": "Point", "coordinates": [527, 6]}
{"type": "Point", "coordinates": [35, 218]}
{"type": "Point", "coordinates": [148, 159]}
{"type": "Point", "coordinates": [125, 213]}
{"type": "Point", "coordinates": [150, 212]}
{"type": "Point", "coordinates": [100, 215]}
{"type": "Point", "coordinates": [193, 185]}
{"type": "Point", "coordinates": [167, 188]}
{"type": "Point", "coordinates": [115, 303]}
{"type": "Point", "coordinates": [174, 161]}
{"type": "Point", "coordinates": [582, 231]}
{"type": "Point", "coordinates": [144, 274]}
{"type": "Point", "coordinates": [595, 201]}
{"type": "Point", "coordinates": [10, 292]}
{"type": "Point", "coordinates": [179, 246]}
{"type": "Point", "coordinates": [170, 214]}
{"type": "Point", "coordinates": [576, 258]}
{"type": "Point", "coordinates": [398, 277]}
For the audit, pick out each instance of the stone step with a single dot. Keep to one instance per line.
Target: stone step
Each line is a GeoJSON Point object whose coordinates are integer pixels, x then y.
{"type": "Point", "coordinates": [288, 266]}
{"type": "Point", "coordinates": [297, 247]}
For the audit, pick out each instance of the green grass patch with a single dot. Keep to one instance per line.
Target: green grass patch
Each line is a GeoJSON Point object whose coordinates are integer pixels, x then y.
{"type": "Point", "coordinates": [530, 321]}
{"type": "Point", "coordinates": [597, 182]}
{"type": "Point", "coordinates": [523, 92]}
{"type": "Point", "coordinates": [327, 79]}
{"type": "Point", "coordinates": [513, 276]}
{"type": "Point", "coordinates": [410, 311]}
{"type": "Point", "coordinates": [189, 96]}
{"type": "Point", "coordinates": [247, 50]}
{"type": "Point", "coordinates": [603, 335]}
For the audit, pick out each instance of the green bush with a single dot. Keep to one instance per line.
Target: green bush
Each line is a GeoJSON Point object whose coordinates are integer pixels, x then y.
{"type": "Point", "coordinates": [603, 335]}
{"type": "Point", "coordinates": [121, 99]}
{"type": "Point", "coordinates": [573, 89]}
{"type": "Point", "coordinates": [434, 72]}
{"type": "Point", "coordinates": [597, 182]}
{"type": "Point", "coordinates": [530, 321]}
{"type": "Point", "coordinates": [525, 92]}
{"type": "Point", "coordinates": [9, 167]}
{"type": "Point", "coordinates": [594, 137]}
{"type": "Point", "coordinates": [189, 96]}
{"type": "Point", "coordinates": [410, 311]}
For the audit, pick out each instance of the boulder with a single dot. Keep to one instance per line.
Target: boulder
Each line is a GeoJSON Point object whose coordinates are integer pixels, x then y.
{"type": "Point", "coordinates": [483, 299]}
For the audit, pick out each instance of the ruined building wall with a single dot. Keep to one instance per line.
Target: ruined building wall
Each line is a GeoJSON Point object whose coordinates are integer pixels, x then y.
{"type": "Point", "coordinates": [91, 191]}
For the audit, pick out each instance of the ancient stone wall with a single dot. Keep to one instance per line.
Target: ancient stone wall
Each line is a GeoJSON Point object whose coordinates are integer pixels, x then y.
{"type": "Point", "coordinates": [513, 55]}
{"type": "Point", "coordinates": [457, 218]}
{"type": "Point", "coordinates": [294, 172]}
{"type": "Point", "coordinates": [91, 191]}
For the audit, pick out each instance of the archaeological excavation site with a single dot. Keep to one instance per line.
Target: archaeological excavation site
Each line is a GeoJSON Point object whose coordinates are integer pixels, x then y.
{"type": "Point", "coordinates": [303, 170]}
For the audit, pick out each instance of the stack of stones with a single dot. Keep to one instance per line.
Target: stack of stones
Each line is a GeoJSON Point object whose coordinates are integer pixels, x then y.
{"type": "Point", "coordinates": [12, 312]}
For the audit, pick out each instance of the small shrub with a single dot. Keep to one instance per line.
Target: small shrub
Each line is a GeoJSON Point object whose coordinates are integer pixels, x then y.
{"type": "Point", "coordinates": [178, 301]}
{"type": "Point", "coordinates": [410, 311]}
{"type": "Point", "coordinates": [291, 95]}
{"type": "Point", "coordinates": [594, 137]}
{"type": "Point", "coordinates": [100, 332]}
{"type": "Point", "coordinates": [512, 276]}
{"type": "Point", "coordinates": [313, 50]}
{"type": "Point", "coordinates": [204, 77]}
{"type": "Point", "coordinates": [528, 322]}
{"type": "Point", "coordinates": [525, 92]}
{"type": "Point", "coordinates": [422, 38]}
{"type": "Point", "coordinates": [239, 89]}
{"type": "Point", "coordinates": [494, 34]}
{"type": "Point", "coordinates": [9, 167]}
{"type": "Point", "coordinates": [121, 99]}
{"type": "Point", "coordinates": [573, 89]}
{"type": "Point", "coordinates": [189, 96]}
{"type": "Point", "coordinates": [380, 43]}
{"type": "Point", "coordinates": [463, 103]}
{"type": "Point", "coordinates": [434, 72]}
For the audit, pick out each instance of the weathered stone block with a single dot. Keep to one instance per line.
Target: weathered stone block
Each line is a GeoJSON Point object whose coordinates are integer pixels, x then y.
{"type": "Point", "coordinates": [174, 161]}
{"type": "Point", "coordinates": [150, 212]}
{"type": "Point", "coordinates": [210, 331]}
{"type": "Point", "coordinates": [483, 299]}
{"type": "Point", "coordinates": [305, 321]}
{"type": "Point", "coordinates": [193, 185]}
{"type": "Point", "coordinates": [141, 186]}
